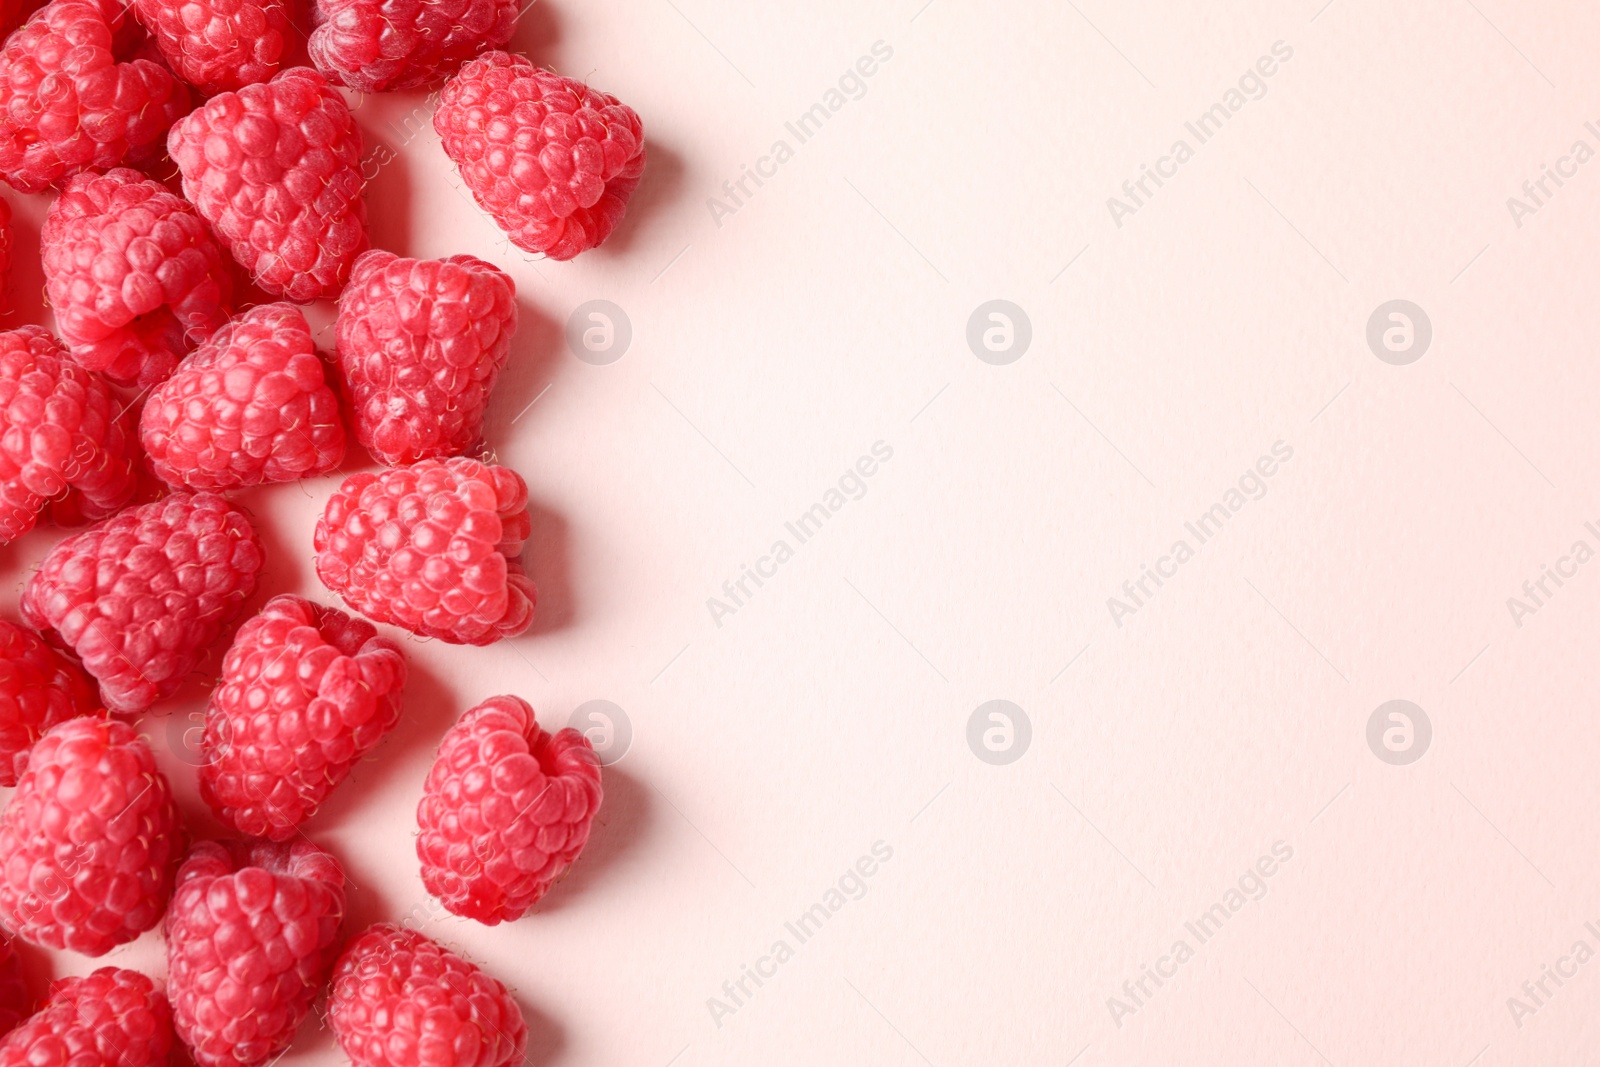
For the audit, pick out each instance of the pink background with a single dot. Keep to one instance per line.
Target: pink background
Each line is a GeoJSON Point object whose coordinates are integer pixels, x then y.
{"type": "Point", "coordinates": [774, 345]}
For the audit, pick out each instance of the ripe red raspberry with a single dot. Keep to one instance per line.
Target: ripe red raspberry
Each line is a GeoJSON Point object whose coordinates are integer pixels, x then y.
{"type": "Point", "coordinates": [16, 1003]}
{"type": "Point", "coordinates": [420, 344]}
{"type": "Point", "coordinates": [5, 255]}
{"type": "Point", "coordinates": [133, 275]}
{"type": "Point", "coordinates": [111, 1018]}
{"type": "Point", "coordinates": [14, 13]}
{"type": "Point", "coordinates": [276, 169]}
{"type": "Point", "coordinates": [39, 687]}
{"type": "Point", "coordinates": [380, 45]}
{"type": "Point", "coordinates": [63, 435]}
{"type": "Point", "coordinates": [403, 1000]}
{"type": "Point", "coordinates": [217, 45]}
{"type": "Point", "coordinates": [434, 547]}
{"type": "Point", "coordinates": [252, 934]}
{"type": "Point", "coordinates": [505, 811]}
{"type": "Point", "coordinates": [552, 160]}
{"type": "Point", "coordinates": [66, 103]}
{"type": "Point", "coordinates": [141, 597]}
{"type": "Point", "coordinates": [89, 841]}
{"type": "Point", "coordinates": [305, 692]}
{"type": "Point", "coordinates": [249, 406]}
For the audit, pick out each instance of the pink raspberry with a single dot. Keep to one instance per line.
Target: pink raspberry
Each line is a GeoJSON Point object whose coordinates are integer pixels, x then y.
{"type": "Point", "coordinates": [111, 1018]}
{"type": "Point", "coordinates": [305, 692]}
{"type": "Point", "coordinates": [67, 104]}
{"type": "Point", "coordinates": [505, 811]}
{"type": "Point", "coordinates": [39, 687]}
{"type": "Point", "coordinates": [276, 169]}
{"type": "Point", "coordinates": [133, 275]}
{"type": "Point", "coordinates": [218, 45]}
{"type": "Point", "coordinates": [16, 1003]}
{"type": "Point", "coordinates": [249, 406]}
{"type": "Point", "coordinates": [252, 935]}
{"type": "Point", "coordinates": [5, 255]}
{"type": "Point", "coordinates": [403, 1000]}
{"type": "Point", "coordinates": [381, 45]}
{"type": "Point", "coordinates": [420, 344]}
{"type": "Point", "coordinates": [63, 435]}
{"type": "Point", "coordinates": [89, 841]}
{"type": "Point", "coordinates": [552, 160]}
{"type": "Point", "coordinates": [141, 597]}
{"type": "Point", "coordinates": [434, 547]}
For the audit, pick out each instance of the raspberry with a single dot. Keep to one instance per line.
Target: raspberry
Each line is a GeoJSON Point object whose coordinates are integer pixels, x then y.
{"type": "Point", "coordinates": [248, 406]}
{"type": "Point", "coordinates": [276, 169]}
{"type": "Point", "coordinates": [403, 1000]}
{"type": "Point", "coordinates": [89, 840]}
{"type": "Point", "coordinates": [39, 688]}
{"type": "Point", "coordinates": [380, 45]}
{"type": "Point", "coordinates": [505, 811]}
{"type": "Point", "coordinates": [420, 344]}
{"type": "Point", "coordinates": [14, 13]}
{"type": "Point", "coordinates": [16, 1003]}
{"type": "Point", "coordinates": [63, 436]}
{"type": "Point", "coordinates": [67, 105]}
{"type": "Point", "coordinates": [305, 692]}
{"type": "Point", "coordinates": [133, 275]}
{"type": "Point", "coordinates": [141, 597]}
{"type": "Point", "coordinates": [111, 1018]}
{"type": "Point", "coordinates": [5, 254]}
{"type": "Point", "coordinates": [552, 160]}
{"type": "Point", "coordinates": [218, 45]}
{"type": "Point", "coordinates": [251, 936]}
{"type": "Point", "coordinates": [434, 547]}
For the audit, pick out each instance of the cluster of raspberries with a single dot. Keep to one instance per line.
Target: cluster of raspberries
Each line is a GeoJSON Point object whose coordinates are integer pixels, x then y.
{"type": "Point", "coordinates": [164, 388]}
